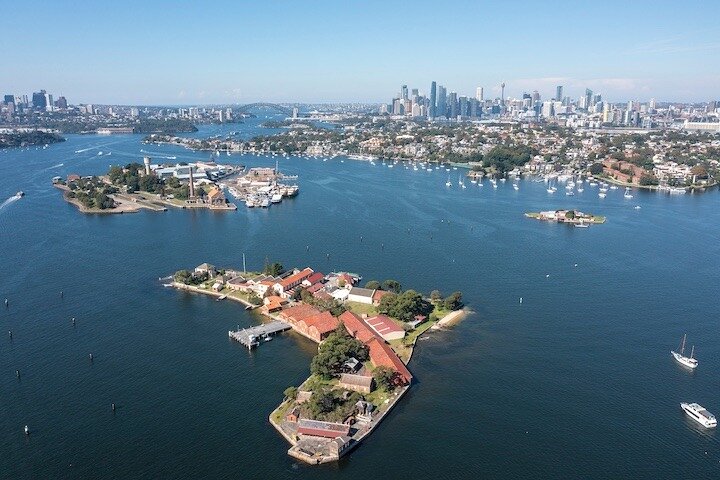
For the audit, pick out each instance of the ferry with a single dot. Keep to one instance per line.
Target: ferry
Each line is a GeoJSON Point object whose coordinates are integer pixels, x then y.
{"type": "Point", "coordinates": [699, 414]}
{"type": "Point", "coordinates": [680, 357]}
{"type": "Point", "coordinates": [20, 194]}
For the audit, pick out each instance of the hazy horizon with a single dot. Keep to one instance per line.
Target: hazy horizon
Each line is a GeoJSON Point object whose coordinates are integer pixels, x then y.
{"type": "Point", "coordinates": [168, 54]}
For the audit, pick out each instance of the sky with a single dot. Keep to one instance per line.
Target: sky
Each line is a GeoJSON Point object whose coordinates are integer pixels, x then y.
{"type": "Point", "coordinates": [203, 52]}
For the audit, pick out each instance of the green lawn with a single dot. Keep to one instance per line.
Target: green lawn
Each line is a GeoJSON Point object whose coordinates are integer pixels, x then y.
{"type": "Point", "coordinates": [361, 308]}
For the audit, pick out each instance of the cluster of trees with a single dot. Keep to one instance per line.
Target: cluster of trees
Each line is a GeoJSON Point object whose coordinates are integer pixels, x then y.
{"type": "Point", "coordinates": [384, 378]}
{"type": "Point", "coordinates": [451, 302]}
{"type": "Point", "coordinates": [274, 269]}
{"type": "Point", "coordinates": [335, 351]}
{"type": "Point", "coordinates": [649, 179]}
{"type": "Point", "coordinates": [506, 157]}
{"type": "Point", "coordinates": [24, 139]}
{"type": "Point", "coordinates": [92, 193]}
{"type": "Point", "coordinates": [405, 306]}
{"type": "Point", "coordinates": [134, 180]}
{"type": "Point", "coordinates": [387, 285]}
{"type": "Point", "coordinates": [190, 278]}
{"type": "Point", "coordinates": [330, 405]}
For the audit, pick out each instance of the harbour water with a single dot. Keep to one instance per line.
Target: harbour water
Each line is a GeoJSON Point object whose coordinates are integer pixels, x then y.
{"type": "Point", "coordinates": [576, 381]}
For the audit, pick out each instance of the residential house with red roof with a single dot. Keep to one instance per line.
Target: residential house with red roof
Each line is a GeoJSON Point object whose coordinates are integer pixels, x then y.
{"type": "Point", "coordinates": [284, 286]}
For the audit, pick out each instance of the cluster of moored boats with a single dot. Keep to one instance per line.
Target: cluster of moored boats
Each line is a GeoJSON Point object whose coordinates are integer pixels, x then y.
{"type": "Point", "coordinates": [693, 410]}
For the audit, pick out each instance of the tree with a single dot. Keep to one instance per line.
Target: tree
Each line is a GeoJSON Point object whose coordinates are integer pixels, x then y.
{"type": "Point", "coordinates": [335, 351]}
{"type": "Point", "coordinates": [405, 306]}
{"type": "Point", "coordinates": [183, 276]}
{"type": "Point", "coordinates": [372, 285]}
{"type": "Point", "coordinates": [273, 269]}
{"type": "Point", "coordinates": [384, 378]}
{"type": "Point", "coordinates": [570, 214]}
{"type": "Point", "coordinates": [290, 393]}
{"type": "Point", "coordinates": [435, 295]}
{"type": "Point", "coordinates": [254, 299]}
{"type": "Point", "coordinates": [596, 168]}
{"type": "Point", "coordinates": [453, 301]}
{"type": "Point", "coordinates": [392, 286]}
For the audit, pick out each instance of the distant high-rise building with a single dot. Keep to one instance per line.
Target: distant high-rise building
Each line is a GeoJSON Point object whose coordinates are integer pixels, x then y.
{"type": "Point", "coordinates": [433, 99]}
{"type": "Point", "coordinates": [502, 93]}
{"type": "Point", "coordinates": [38, 100]}
{"type": "Point", "coordinates": [404, 92]}
{"type": "Point", "coordinates": [479, 94]}
{"type": "Point", "coordinates": [453, 104]}
{"type": "Point", "coordinates": [9, 99]}
{"type": "Point", "coordinates": [653, 104]}
{"type": "Point", "coordinates": [441, 101]}
{"type": "Point", "coordinates": [588, 97]}
{"type": "Point", "coordinates": [134, 112]}
{"type": "Point", "coordinates": [559, 93]}
{"type": "Point", "coordinates": [61, 102]}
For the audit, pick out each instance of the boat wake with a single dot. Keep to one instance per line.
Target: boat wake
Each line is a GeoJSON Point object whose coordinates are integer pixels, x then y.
{"type": "Point", "coordinates": [56, 166]}
{"type": "Point", "coordinates": [10, 200]}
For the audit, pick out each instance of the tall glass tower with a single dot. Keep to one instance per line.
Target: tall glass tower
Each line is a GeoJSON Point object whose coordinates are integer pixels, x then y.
{"type": "Point", "coordinates": [433, 99]}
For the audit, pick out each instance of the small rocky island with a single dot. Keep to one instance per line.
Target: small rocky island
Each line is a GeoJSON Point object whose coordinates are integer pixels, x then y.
{"type": "Point", "coordinates": [574, 217]}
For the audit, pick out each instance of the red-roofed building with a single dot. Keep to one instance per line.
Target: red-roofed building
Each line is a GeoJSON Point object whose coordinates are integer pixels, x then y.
{"type": "Point", "coordinates": [377, 296]}
{"type": "Point", "coordinates": [381, 354]}
{"type": "Point", "coordinates": [316, 277]}
{"type": "Point", "coordinates": [317, 428]}
{"type": "Point", "coordinates": [314, 288]}
{"type": "Point", "coordinates": [284, 286]}
{"type": "Point", "coordinates": [309, 321]}
{"type": "Point", "coordinates": [386, 327]}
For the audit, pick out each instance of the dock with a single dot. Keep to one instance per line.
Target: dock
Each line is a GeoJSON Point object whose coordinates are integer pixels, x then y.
{"type": "Point", "coordinates": [251, 337]}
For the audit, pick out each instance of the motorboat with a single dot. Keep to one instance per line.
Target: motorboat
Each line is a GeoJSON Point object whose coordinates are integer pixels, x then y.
{"type": "Point", "coordinates": [699, 414]}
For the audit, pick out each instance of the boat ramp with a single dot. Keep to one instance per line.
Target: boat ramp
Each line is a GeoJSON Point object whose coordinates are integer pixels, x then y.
{"type": "Point", "coordinates": [251, 337]}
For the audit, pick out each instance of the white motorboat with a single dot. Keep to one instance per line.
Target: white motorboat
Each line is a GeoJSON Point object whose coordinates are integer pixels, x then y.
{"type": "Point", "coordinates": [699, 414]}
{"type": "Point", "coordinates": [276, 198]}
{"type": "Point", "coordinates": [691, 361]}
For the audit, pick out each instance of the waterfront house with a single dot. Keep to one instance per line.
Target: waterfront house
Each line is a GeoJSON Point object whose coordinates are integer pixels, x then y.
{"type": "Point", "coordinates": [340, 444]}
{"type": "Point", "coordinates": [361, 295]}
{"type": "Point", "coordinates": [317, 428]}
{"type": "Point", "coordinates": [313, 279]}
{"type": "Point", "coordinates": [385, 327]}
{"type": "Point", "coordinates": [356, 383]}
{"type": "Point", "coordinates": [340, 294]}
{"type": "Point", "coordinates": [293, 415]}
{"type": "Point", "coordinates": [273, 303]}
{"type": "Point", "coordinates": [206, 268]}
{"type": "Point", "coordinates": [215, 197]}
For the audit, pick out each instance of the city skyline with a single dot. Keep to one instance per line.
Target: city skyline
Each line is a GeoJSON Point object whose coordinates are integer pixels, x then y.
{"type": "Point", "coordinates": [156, 55]}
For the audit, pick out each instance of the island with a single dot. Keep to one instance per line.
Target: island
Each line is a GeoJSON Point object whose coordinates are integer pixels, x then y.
{"type": "Point", "coordinates": [365, 338]}
{"type": "Point", "coordinates": [573, 217]}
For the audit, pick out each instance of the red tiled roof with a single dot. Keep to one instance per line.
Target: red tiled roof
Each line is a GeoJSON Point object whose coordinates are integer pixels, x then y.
{"type": "Point", "coordinates": [324, 322]}
{"type": "Point", "coordinates": [383, 325]}
{"type": "Point", "coordinates": [382, 355]}
{"type": "Point", "coordinates": [299, 312]}
{"type": "Point", "coordinates": [295, 278]}
{"type": "Point", "coordinates": [377, 296]}
{"type": "Point", "coordinates": [315, 278]}
{"type": "Point", "coordinates": [380, 352]}
{"type": "Point", "coordinates": [314, 287]}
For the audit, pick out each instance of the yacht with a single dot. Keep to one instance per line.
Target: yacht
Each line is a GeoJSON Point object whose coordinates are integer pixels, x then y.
{"type": "Point", "coordinates": [690, 361]}
{"type": "Point", "coordinates": [699, 414]}
{"type": "Point", "coordinates": [613, 187]}
{"type": "Point", "coordinates": [551, 190]}
{"type": "Point", "coordinates": [516, 186]}
{"type": "Point", "coordinates": [602, 194]}
{"type": "Point", "coordinates": [570, 193]}
{"type": "Point", "coordinates": [627, 195]}
{"type": "Point", "coordinates": [249, 202]}
{"type": "Point", "coordinates": [276, 198]}
{"type": "Point", "coordinates": [448, 183]}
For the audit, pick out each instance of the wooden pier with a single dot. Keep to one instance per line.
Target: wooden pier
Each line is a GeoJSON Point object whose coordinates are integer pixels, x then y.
{"type": "Point", "coordinates": [253, 336]}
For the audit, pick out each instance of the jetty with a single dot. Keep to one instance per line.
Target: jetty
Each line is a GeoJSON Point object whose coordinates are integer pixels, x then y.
{"type": "Point", "coordinates": [251, 337]}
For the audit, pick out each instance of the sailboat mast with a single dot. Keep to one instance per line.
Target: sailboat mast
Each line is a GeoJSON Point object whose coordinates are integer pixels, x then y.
{"type": "Point", "coordinates": [682, 348]}
{"type": "Point", "coordinates": [692, 352]}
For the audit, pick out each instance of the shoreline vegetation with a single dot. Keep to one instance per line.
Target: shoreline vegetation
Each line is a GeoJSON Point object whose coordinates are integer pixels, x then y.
{"type": "Point", "coordinates": [359, 373]}
{"type": "Point", "coordinates": [28, 139]}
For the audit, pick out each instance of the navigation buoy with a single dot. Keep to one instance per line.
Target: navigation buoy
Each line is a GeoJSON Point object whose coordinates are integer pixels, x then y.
{"type": "Point", "coordinates": [307, 248]}
{"type": "Point", "coordinates": [73, 321]}
{"type": "Point", "coordinates": [382, 246]}
{"type": "Point", "coordinates": [576, 264]}
{"type": "Point", "coordinates": [10, 333]}
{"type": "Point", "coordinates": [113, 407]}
{"type": "Point", "coordinates": [361, 238]}
{"type": "Point", "coordinates": [547, 276]}
{"type": "Point", "coordinates": [91, 357]}
{"type": "Point", "coordinates": [6, 303]}
{"type": "Point", "coordinates": [521, 300]}
{"type": "Point", "coordinates": [27, 430]}
{"type": "Point", "coordinates": [17, 373]}
{"type": "Point", "coordinates": [62, 294]}
{"type": "Point", "coordinates": [327, 256]}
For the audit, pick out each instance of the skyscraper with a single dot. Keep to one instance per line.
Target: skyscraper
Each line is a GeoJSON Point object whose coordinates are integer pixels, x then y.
{"type": "Point", "coordinates": [502, 93]}
{"type": "Point", "coordinates": [404, 92]}
{"type": "Point", "coordinates": [479, 94]}
{"type": "Point", "coordinates": [559, 93]}
{"type": "Point", "coordinates": [38, 100]}
{"type": "Point", "coordinates": [453, 104]}
{"type": "Point", "coordinates": [588, 97]}
{"type": "Point", "coordinates": [441, 101]}
{"type": "Point", "coordinates": [433, 99]}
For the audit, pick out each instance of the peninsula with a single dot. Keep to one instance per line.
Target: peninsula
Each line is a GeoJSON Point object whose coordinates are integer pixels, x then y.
{"type": "Point", "coordinates": [365, 334]}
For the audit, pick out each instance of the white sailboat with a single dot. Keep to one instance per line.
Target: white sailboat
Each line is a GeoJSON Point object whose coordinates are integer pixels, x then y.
{"type": "Point", "coordinates": [680, 357]}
